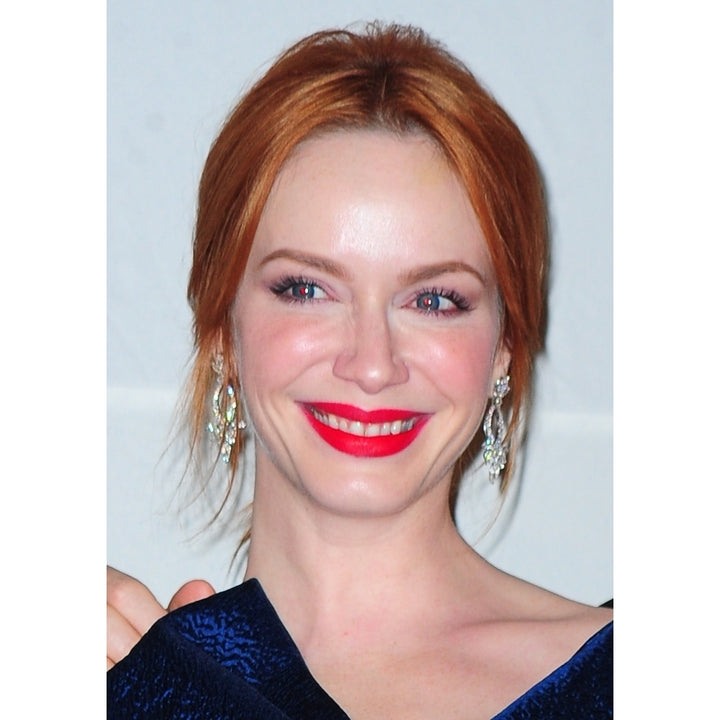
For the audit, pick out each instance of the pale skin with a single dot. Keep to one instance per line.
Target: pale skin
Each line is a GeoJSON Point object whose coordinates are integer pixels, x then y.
{"type": "Point", "coordinates": [369, 284]}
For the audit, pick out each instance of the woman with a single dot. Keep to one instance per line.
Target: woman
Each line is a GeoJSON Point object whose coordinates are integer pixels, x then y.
{"type": "Point", "coordinates": [368, 293]}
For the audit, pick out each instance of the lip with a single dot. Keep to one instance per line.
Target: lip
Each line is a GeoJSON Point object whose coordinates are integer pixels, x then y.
{"type": "Point", "coordinates": [358, 445]}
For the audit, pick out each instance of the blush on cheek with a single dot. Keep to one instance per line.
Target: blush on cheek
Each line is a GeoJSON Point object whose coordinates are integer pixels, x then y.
{"type": "Point", "coordinates": [277, 348]}
{"type": "Point", "coordinates": [462, 363]}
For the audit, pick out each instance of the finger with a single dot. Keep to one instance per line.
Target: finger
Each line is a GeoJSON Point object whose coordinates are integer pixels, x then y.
{"type": "Point", "coordinates": [121, 636]}
{"type": "Point", "coordinates": [190, 592]}
{"type": "Point", "coordinates": [132, 600]}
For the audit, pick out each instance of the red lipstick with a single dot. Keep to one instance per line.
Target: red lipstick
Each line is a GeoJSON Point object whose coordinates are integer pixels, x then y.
{"type": "Point", "coordinates": [342, 426]}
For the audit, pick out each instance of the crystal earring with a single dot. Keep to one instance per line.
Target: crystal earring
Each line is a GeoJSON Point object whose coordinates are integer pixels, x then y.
{"type": "Point", "coordinates": [494, 449]}
{"type": "Point", "coordinates": [225, 423]}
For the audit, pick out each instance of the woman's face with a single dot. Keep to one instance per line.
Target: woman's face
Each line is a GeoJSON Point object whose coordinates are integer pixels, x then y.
{"type": "Point", "coordinates": [367, 323]}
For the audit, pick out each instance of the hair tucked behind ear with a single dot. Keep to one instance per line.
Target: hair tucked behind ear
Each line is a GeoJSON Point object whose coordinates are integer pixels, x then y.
{"type": "Point", "coordinates": [398, 79]}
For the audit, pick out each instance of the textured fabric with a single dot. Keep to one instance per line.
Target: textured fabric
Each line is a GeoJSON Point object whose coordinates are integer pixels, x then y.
{"type": "Point", "coordinates": [229, 656]}
{"type": "Point", "coordinates": [581, 689]}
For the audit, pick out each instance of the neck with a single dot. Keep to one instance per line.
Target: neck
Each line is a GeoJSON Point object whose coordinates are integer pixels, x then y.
{"type": "Point", "coordinates": [323, 571]}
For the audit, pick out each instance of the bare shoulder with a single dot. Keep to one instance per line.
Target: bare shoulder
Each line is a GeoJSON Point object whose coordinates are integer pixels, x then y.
{"type": "Point", "coordinates": [532, 631]}
{"type": "Point", "coordinates": [564, 627]}
{"type": "Point", "coordinates": [531, 602]}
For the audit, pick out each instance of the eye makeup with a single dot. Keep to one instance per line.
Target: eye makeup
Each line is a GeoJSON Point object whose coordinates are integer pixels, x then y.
{"type": "Point", "coordinates": [440, 301]}
{"type": "Point", "coordinates": [298, 288]}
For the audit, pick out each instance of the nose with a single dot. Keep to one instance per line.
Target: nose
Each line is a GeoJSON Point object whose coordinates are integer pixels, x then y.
{"type": "Point", "coordinates": [371, 357]}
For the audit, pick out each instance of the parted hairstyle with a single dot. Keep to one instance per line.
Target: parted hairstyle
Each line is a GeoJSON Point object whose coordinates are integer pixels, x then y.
{"type": "Point", "coordinates": [386, 77]}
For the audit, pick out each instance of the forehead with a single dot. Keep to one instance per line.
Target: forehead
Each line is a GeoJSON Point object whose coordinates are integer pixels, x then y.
{"type": "Point", "coordinates": [390, 196]}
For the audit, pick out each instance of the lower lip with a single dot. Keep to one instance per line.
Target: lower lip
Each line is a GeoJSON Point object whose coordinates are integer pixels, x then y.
{"type": "Point", "coordinates": [370, 447]}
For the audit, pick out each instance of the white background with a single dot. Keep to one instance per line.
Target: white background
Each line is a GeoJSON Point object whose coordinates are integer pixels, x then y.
{"type": "Point", "coordinates": [174, 71]}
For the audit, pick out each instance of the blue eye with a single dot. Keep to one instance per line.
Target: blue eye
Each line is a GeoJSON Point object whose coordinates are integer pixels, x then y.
{"type": "Point", "coordinates": [428, 301]}
{"type": "Point", "coordinates": [303, 291]}
{"type": "Point", "coordinates": [298, 289]}
{"type": "Point", "coordinates": [440, 301]}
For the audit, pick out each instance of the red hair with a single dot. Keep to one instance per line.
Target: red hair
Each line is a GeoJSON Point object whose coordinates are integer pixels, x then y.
{"type": "Point", "coordinates": [387, 77]}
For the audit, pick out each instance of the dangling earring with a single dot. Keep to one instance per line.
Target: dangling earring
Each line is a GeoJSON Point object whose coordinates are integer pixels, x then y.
{"type": "Point", "coordinates": [225, 424]}
{"type": "Point", "coordinates": [495, 451]}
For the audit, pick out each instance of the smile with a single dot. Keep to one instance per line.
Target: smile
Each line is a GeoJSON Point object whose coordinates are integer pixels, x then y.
{"type": "Point", "coordinates": [361, 433]}
{"type": "Point", "coordinates": [355, 427]}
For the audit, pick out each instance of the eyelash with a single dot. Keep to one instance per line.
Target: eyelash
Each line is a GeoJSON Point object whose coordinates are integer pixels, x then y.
{"type": "Point", "coordinates": [288, 282]}
{"type": "Point", "coordinates": [461, 304]}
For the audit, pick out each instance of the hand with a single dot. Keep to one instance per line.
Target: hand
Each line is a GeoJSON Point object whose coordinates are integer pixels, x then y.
{"type": "Point", "coordinates": [132, 609]}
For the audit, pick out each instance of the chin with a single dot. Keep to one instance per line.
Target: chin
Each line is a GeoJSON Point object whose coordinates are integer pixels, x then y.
{"type": "Point", "coordinates": [368, 494]}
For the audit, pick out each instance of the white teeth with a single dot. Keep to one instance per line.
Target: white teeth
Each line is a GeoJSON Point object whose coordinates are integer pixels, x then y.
{"type": "Point", "coordinates": [355, 427]}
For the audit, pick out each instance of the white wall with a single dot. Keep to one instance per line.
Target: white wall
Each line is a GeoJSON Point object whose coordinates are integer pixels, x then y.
{"type": "Point", "coordinates": [175, 68]}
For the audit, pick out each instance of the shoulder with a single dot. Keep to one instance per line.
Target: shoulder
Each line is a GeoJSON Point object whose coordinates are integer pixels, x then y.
{"type": "Point", "coordinates": [221, 657]}
{"type": "Point", "coordinates": [537, 641]}
{"type": "Point", "coordinates": [514, 599]}
{"type": "Point", "coordinates": [580, 687]}
{"type": "Point", "coordinates": [530, 645]}
{"type": "Point", "coordinates": [239, 629]}
{"type": "Point", "coordinates": [572, 626]}
{"type": "Point", "coordinates": [236, 629]}
{"type": "Point", "coordinates": [223, 628]}
{"type": "Point", "coordinates": [555, 627]}
{"type": "Point", "coordinates": [237, 610]}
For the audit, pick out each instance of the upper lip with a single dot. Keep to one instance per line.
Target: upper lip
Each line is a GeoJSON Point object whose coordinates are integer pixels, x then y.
{"type": "Point", "coordinates": [356, 414]}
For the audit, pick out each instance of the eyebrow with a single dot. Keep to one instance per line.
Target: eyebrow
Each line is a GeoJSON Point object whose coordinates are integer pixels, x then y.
{"type": "Point", "coordinates": [428, 272]}
{"type": "Point", "coordinates": [419, 274]}
{"type": "Point", "coordinates": [316, 261]}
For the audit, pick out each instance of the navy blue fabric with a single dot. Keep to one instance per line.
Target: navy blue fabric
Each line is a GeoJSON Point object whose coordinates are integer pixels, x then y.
{"type": "Point", "coordinates": [229, 656]}
{"type": "Point", "coordinates": [581, 689]}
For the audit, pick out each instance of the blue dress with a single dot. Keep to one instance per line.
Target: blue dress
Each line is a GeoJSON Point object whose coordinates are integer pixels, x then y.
{"type": "Point", "coordinates": [230, 657]}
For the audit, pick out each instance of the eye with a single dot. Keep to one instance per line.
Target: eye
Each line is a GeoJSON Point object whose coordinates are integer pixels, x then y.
{"type": "Point", "coordinates": [305, 291]}
{"type": "Point", "coordinates": [440, 302]}
{"type": "Point", "coordinates": [298, 289]}
{"type": "Point", "coordinates": [432, 302]}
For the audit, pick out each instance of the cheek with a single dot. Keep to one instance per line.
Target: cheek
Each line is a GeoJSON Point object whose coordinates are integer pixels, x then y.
{"type": "Point", "coordinates": [461, 364]}
{"type": "Point", "coordinates": [276, 348]}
